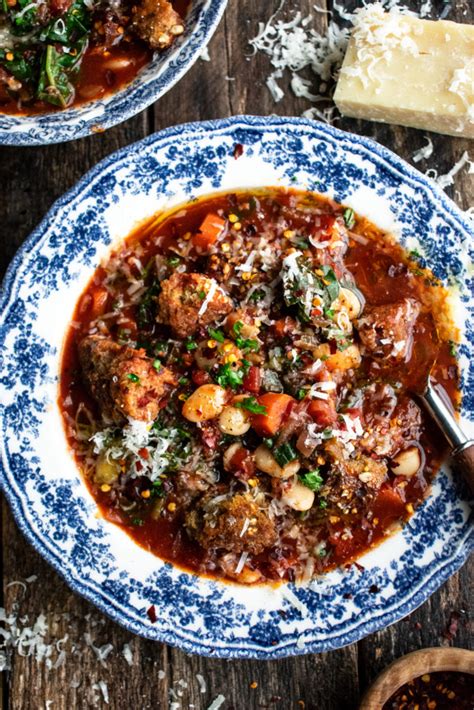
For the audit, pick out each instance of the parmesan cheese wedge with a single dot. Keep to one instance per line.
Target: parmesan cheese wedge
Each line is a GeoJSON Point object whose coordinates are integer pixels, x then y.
{"type": "Point", "coordinates": [419, 73]}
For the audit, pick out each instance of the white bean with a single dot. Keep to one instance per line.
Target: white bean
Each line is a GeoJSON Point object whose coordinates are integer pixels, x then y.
{"type": "Point", "coordinates": [117, 63]}
{"type": "Point", "coordinates": [265, 462]}
{"type": "Point", "coordinates": [298, 497]}
{"type": "Point", "coordinates": [205, 403]}
{"type": "Point", "coordinates": [91, 91]}
{"type": "Point", "coordinates": [349, 300]}
{"type": "Point", "coordinates": [229, 455]}
{"type": "Point", "coordinates": [233, 421]}
{"type": "Point", "coordinates": [407, 462]}
{"type": "Point", "coordinates": [344, 359]}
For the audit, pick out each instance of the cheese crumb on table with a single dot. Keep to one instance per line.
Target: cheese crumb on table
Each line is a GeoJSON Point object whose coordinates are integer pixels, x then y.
{"type": "Point", "coordinates": [418, 73]}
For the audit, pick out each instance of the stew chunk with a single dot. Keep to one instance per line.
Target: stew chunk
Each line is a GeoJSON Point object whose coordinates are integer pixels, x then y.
{"type": "Point", "coordinates": [156, 23]}
{"type": "Point", "coordinates": [386, 331]}
{"type": "Point", "coordinates": [236, 524]}
{"type": "Point", "coordinates": [124, 381]}
{"type": "Point", "coordinates": [188, 301]}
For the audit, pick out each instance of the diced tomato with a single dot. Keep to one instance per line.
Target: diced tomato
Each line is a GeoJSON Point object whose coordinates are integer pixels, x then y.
{"type": "Point", "coordinates": [323, 411]}
{"type": "Point", "coordinates": [277, 406]}
{"type": "Point", "coordinates": [209, 232]}
{"type": "Point", "coordinates": [326, 225]}
{"type": "Point", "coordinates": [283, 326]}
{"type": "Point", "coordinates": [389, 504]}
{"type": "Point", "coordinates": [343, 548]}
{"type": "Point", "coordinates": [253, 380]}
{"type": "Point", "coordinates": [200, 377]}
{"type": "Point", "coordinates": [100, 296]}
{"type": "Point", "coordinates": [242, 463]}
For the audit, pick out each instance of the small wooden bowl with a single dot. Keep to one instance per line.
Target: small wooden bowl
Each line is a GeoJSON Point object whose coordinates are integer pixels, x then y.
{"type": "Point", "coordinates": [413, 665]}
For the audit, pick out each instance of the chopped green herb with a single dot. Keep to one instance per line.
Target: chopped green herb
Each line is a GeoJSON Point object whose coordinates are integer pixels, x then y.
{"type": "Point", "coordinates": [323, 504]}
{"type": "Point", "coordinates": [157, 488]}
{"type": "Point", "coordinates": [237, 327]}
{"type": "Point", "coordinates": [138, 522]}
{"type": "Point", "coordinates": [251, 404]}
{"type": "Point", "coordinates": [284, 454]}
{"type": "Point", "coordinates": [312, 480]}
{"type": "Point", "coordinates": [157, 365]}
{"type": "Point", "coordinates": [174, 261]}
{"type": "Point", "coordinates": [183, 381]}
{"type": "Point", "coordinates": [301, 394]}
{"type": "Point", "coordinates": [229, 377]}
{"type": "Point", "coordinates": [414, 254]}
{"type": "Point", "coordinates": [257, 296]}
{"type": "Point", "coordinates": [133, 378]}
{"type": "Point", "coordinates": [190, 345]}
{"type": "Point", "coordinates": [216, 335]}
{"type": "Point", "coordinates": [453, 348]}
{"type": "Point", "coordinates": [202, 295]}
{"type": "Point", "coordinates": [268, 442]}
{"type": "Point", "coordinates": [349, 218]}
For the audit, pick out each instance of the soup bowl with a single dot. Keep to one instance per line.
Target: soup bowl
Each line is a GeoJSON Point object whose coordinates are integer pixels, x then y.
{"type": "Point", "coordinates": [154, 80]}
{"type": "Point", "coordinates": [39, 476]}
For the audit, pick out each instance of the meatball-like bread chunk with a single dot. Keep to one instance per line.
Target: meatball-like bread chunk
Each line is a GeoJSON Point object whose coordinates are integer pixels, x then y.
{"type": "Point", "coordinates": [236, 525]}
{"type": "Point", "coordinates": [156, 23]}
{"type": "Point", "coordinates": [123, 381]}
{"type": "Point", "coordinates": [386, 331]}
{"type": "Point", "coordinates": [188, 301]}
{"type": "Point", "coordinates": [351, 481]}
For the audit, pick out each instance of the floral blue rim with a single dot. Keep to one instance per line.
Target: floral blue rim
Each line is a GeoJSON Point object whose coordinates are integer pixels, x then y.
{"type": "Point", "coordinates": [153, 81]}
{"type": "Point", "coordinates": [238, 126]}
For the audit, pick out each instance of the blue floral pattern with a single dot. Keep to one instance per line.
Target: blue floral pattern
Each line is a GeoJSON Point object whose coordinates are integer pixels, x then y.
{"type": "Point", "coordinates": [153, 81]}
{"type": "Point", "coordinates": [39, 477]}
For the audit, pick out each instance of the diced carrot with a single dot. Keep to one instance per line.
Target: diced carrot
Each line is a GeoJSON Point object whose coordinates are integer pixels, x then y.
{"type": "Point", "coordinates": [209, 231]}
{"type": "Point", "coordinates": [276, 406]}
{"type": "Point", "coordinates": [323, 411]}
{"type": "Point", "coordinates": [99, 299]}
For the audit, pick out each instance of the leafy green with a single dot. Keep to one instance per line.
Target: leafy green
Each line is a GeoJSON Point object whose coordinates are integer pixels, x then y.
{"type": "Point", "coordinates": [23, 17]}
{"type": "Point", "coordinates": [57, 69]}
{"type": "Point", "coordinates": [349, 217]}
{"type": "Point", "coordinates": [18, 66]}
{"type": "Point", "coordinates": [133, 378]}
{"type": "Point", "coordinates": [71, 26]}
{"type": "Point", "coordinates": [302, 286]}
{"type": "Point", "coordinates": [251, 404]}
{"type": "Point", "coordinates": [284, 454]}
{"type": "Point", "coordinates": [312, 480]}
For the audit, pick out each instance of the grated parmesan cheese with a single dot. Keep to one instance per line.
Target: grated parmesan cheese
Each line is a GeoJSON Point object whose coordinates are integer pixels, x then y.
{"type": "Point", "coordinates": [217, 702]}
{"type": "Point", "coordinates": [423, 153]}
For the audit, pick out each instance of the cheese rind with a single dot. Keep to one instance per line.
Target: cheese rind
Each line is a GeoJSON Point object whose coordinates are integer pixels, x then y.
{"type": "Point", "coordinates": [419, 73]}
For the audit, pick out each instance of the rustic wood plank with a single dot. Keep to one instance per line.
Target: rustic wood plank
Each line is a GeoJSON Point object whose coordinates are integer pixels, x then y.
{"type": "Point", "coordinates": [324, 682]}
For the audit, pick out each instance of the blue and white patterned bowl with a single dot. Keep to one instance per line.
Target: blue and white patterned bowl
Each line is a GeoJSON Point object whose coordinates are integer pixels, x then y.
{"type": "Point", "coordinates": [50, 502]}
{"type": "Point", "coordinates": [152, 82]}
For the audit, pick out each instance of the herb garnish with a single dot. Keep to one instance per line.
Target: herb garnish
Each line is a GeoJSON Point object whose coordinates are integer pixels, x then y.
{"type": "Point", "coordinates": [133, 378]}
{"type": "Point", "coordinates": [284, 454]}
{"type": "Point", "coordinates": [312, 480]}
{"type": "Point", "coordinates": [251, 404]}
{"type": "Point", "coordinates": [349, 218]}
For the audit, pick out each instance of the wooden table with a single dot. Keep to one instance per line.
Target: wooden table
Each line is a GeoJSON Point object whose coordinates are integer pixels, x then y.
{"type": "Point", "coordinates": [31, 179]}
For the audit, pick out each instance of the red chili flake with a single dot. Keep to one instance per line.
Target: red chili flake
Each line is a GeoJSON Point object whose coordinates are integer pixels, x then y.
{"type": "Point", "coordinates": [151, 611]}
{"type": "Point", "coordinates": [144, 453]}
{"type": "Point", "coordinates": [452, 627]}
{"type": "Point", "coordinates": [238, 150]}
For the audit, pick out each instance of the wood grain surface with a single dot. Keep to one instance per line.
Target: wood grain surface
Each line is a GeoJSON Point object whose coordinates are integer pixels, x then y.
{"type": "Point", "coordinates": [155, 676]}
